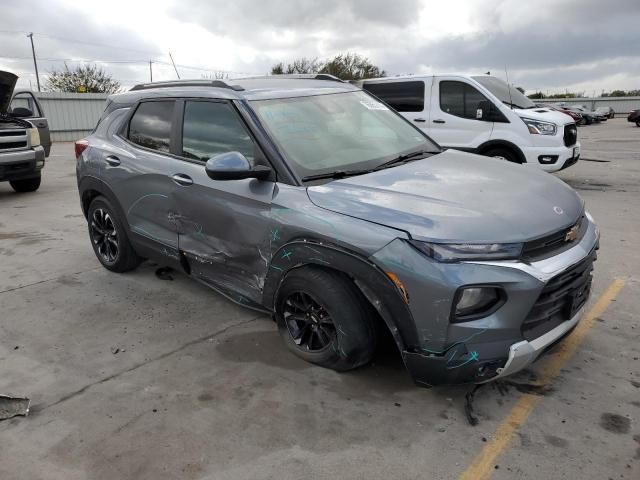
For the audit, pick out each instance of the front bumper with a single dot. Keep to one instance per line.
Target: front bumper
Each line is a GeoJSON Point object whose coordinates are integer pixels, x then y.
{"type": "Point", "coordinates": [21, 164]}
{"type": "Point", "coordinates": [502, 342]}
{"type": "Point", "coordinates": [561, 157]}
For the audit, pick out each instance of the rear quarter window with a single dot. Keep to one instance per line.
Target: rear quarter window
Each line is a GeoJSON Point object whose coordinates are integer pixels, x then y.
{"type": "Point", "coordinates": [401, 96]}
{"type": "Point", "coordinates": [150, 125]}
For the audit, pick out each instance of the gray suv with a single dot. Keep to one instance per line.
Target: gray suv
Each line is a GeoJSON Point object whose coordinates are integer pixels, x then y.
{"type": "Point", "coordinates": [309, 199]}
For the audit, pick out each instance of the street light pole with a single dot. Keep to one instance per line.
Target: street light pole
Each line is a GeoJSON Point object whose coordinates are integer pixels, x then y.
{"type": "Point", "coordinates": [35, 63]}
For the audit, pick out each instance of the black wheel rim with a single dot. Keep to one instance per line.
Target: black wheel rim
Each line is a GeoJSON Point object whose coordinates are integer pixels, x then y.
{"type": "Point", "coordinates": [104, 235]}
{"type": "Point", "coordinates": [309, 324]}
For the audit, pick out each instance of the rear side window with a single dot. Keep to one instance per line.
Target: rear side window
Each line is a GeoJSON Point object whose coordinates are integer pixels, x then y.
{"type": "Point", "coordinates": [460, 99]}
{"type": "Point", "coordinates": [401, 96]}
{"type": "Point", "coordinates": [150, 126]}
{"type": "Point", "coordinates": [212, 128]}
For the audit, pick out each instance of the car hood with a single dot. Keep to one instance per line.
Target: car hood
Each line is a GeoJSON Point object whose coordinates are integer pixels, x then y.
{"type": "Point", "coordinates": [7, 84]}
{"type": "Point", "coordinates": [544, 114]}
{"type": "Point", "coordinates": [456, 196]}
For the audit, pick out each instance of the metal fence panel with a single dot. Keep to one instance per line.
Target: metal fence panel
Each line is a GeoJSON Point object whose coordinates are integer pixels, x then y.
{"type": "Point", "coordinates": [71, 115]}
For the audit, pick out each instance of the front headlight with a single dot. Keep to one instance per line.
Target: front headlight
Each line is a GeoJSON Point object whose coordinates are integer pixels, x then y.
{"type": "Point", "coordinates": [456, 252]}
{"type": "Point", "coordinates": [537, 127]}
{"type": "Point", "coordinates": [34, 136]}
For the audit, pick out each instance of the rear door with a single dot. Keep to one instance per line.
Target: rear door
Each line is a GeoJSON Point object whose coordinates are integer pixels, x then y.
{"type": "Point", "coordinates": [455, 118]}
{"type": "Point", "coordinates": [38, 119]}
{"type": "Point", "coordinates": [223, 225]}
{"type": "Point", "coordinates": [140, 175]}
{"type": "Point", "coordinates": [408, 97]}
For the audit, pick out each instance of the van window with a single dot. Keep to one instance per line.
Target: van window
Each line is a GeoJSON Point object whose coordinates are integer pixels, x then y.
{"type": "Point", "coordinates": [150, 126]}
{"type": "Point", "coordinates": [460, 99]}
{"type": "Point", "coordinates": [401, 96]}
{"type": "Point", "coordinates": [212, 128]}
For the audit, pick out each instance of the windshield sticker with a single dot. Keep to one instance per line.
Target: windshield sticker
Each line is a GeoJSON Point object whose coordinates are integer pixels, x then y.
{"type": "Point", "coordinates": [373, 105]}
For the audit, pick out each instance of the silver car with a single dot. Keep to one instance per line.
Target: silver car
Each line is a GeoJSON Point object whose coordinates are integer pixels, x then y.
{"type": "Point", "coordinates": [311, 200]}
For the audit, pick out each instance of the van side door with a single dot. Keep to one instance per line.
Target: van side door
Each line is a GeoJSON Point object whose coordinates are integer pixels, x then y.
{"type": "Point", "coordinates": [456, 119]}
{"type": "Point", "coordinates": [409, 97]}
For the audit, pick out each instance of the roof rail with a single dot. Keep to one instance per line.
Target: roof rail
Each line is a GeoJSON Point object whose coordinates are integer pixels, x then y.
{"type": "Point", "coordinates": [186, 83]}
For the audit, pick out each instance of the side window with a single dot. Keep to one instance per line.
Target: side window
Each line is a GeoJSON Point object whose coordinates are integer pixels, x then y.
{"type": "Point", "coordinates": [401, 96]}
{"type": "Point", "coordinates": [26, 100]}
{"type": "Point", "coordinates": [460, 99]}
{"type": "Point", "coordinates": [150, 125]}
{"type": "Point", "coordinates": [212, 128]}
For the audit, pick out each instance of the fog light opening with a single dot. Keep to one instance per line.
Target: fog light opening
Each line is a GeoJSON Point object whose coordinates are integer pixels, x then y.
{"type": "Point", "coordinates": [475, 302]}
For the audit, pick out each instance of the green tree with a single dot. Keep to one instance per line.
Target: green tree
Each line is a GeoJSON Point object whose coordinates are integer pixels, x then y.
{"type": "Point", "coordinates": [82, 79]}
{"type": "Point", "coordinates": [351, 66]}
{"type": "Point", "coordinates": [536, 96]}
{"type": "Point", "coordinates": [618, 93]}
{"type": "Point", "coordinates": [348, 66]}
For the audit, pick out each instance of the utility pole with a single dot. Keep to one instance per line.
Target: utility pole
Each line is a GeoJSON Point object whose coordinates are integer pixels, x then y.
{"type": "Point", "coordinates": [35, 63]}
{"type": "Point", "coordinates": [150, 70]}
{"type": "Point", "coordinates": [174, 66]}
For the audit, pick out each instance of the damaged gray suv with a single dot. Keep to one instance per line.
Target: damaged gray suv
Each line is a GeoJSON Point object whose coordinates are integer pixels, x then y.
{"type": "Point", "coordinates": [311, 200]}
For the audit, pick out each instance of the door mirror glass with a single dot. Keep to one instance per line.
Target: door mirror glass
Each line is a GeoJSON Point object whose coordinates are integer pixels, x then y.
{"type": "Point", "coordinates": [234, 166]}
{"type": "Point", "coordinates": [21, 112]}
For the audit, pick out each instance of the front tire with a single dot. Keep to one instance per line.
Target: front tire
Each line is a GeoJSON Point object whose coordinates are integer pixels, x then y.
{"type": "Point", "coordinates": [109, 237]}
{"type": "Point", "coordinates": [26, 185]}
{"type": "Point", "coordinates": [324, 319]}
{"type": "Point", "coordinates": [502, 154]}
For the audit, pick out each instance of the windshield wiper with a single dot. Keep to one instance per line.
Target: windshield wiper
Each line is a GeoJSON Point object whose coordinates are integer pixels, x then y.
{"type": "Point", "coordinates": [402, 159]}
{"type": "Point", "coordinates": [335, 174]}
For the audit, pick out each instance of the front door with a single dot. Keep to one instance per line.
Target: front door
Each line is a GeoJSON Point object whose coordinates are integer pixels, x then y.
{"type": "Point", "coordinates": [223, 226]}
{"type": "Point", "coordinates": [455, 120]}
{"type": "Point", "coordinates": [38, 119]}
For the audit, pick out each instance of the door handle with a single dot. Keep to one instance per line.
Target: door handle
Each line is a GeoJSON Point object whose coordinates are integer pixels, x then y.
{"type": "Point", "coordinates": [439, 121]}
{"type": "Point", "coordinates": [419, 120]}
{"type": "Point", "coordinates": [182, 179]}
{"type": "Point", "coordinates": [112, 160]}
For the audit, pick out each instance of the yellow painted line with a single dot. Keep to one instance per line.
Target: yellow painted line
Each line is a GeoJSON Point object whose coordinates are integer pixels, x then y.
{"type": "Point", "coordinates": [484, 464]}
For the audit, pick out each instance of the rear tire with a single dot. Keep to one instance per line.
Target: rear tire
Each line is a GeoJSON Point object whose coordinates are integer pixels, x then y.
{"type": "Point", "coordinates": [502, 154]}
{"type": "Point", "coordinates": [27, 185]}
{"type": "Point", "coordinates": [324, 319]}
{"type": "Point", "coordinates": [109, 237]}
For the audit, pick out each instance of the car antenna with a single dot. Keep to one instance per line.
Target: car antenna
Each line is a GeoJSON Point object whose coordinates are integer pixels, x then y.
{"type": "Point", "coordinates": [508, 87]}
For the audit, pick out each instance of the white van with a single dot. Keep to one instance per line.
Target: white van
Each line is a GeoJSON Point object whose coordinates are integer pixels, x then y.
{"type": "Point", "coordinates": [482, 114]}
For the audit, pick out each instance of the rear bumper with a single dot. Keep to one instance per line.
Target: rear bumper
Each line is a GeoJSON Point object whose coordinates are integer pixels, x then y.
{"type": "Point", "coordinates": [22, 164]}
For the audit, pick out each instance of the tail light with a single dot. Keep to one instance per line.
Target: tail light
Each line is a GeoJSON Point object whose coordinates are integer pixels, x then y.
{"type": "Point", "coordinates": [81, 146]}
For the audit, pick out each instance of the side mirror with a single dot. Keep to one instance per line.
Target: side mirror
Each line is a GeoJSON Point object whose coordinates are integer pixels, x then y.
{"type": "Point", "coordinates": [234, 166]}
{"type": "Point", "coordinates": [21, 112]}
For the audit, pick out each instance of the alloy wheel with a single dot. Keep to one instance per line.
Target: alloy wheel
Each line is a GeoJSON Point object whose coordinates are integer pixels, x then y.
{"type": "Point", "coordinates": [104, 235]}
{"type": "Point", "coordinates": [308, 322]}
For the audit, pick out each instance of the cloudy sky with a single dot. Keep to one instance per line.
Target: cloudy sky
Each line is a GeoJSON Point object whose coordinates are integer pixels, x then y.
{"type": "Point", "coordinates": [548, 45]}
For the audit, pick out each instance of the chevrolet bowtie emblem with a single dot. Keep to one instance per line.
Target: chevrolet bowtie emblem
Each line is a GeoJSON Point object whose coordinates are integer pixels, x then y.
{"type": "Point", "coordinates": [572, 234]}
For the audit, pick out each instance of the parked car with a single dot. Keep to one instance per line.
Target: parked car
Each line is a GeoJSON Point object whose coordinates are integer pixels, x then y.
{"type": "Point", "coordinates": [22, 154]}
{"type": "Point", "coordinates": [607, 112]}
{"type": "Point", "coordinates": [589, 116]}
{"type": "Point", "coordinates": [482, 114]}
{"type": "Point", "coordinates": [309, 199]}
{"type": "Point", "coordinates": [634, 116]}
{"type": "Point", "coordinates": [576, 116]}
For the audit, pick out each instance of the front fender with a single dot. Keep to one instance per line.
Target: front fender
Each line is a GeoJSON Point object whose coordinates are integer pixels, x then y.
{"type": "Point", "coordinates": [374, 284]}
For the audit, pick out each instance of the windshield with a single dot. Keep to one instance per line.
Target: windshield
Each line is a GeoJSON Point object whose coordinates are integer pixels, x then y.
{"type": "Point", "coordinates": [509, 96]}
{"type": "Point", "coordinates": [338, 132]}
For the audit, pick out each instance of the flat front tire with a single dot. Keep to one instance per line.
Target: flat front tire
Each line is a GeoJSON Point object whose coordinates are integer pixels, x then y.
{"type": "Point", "coordinates": [324, 319]}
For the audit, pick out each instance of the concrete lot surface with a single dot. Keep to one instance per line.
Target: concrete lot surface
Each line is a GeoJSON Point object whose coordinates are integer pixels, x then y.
{"type": "Point", "coordinates": [201, 388]}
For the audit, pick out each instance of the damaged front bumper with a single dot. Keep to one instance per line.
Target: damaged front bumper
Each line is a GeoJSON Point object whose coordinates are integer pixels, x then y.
{"type": "Point", "coordinates": [507, 339]}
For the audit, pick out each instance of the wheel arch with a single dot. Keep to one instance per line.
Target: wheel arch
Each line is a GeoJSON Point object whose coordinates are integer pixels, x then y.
{"type": "Point", "coordinates": [370, 280]}
{"type": "Point", "coordinates": [92, 187]}
{"type": "Point", "coordinates": [491, 144]}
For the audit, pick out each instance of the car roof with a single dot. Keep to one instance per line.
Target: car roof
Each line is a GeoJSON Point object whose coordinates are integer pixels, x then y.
{"type": "Point", "coordinates": [250, 88]}
{"type": "Point", "coordinates": [418, 76]}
